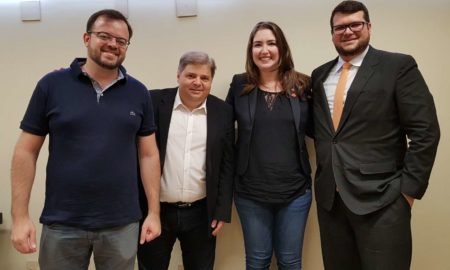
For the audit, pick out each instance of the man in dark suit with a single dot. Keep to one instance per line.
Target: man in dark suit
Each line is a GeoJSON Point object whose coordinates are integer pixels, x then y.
{"type": "Point", "coordinates": [195, 136]}
{"type": "Point", "coordinates": [376, 136]}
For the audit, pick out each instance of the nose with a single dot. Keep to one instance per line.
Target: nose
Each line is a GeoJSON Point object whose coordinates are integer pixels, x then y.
{"type": "Point", "coordinates": [113, 42]}
{"type": "Point", "coordinates": [349, 30]}
{"type": "Point", "coordinates": [197, 81]}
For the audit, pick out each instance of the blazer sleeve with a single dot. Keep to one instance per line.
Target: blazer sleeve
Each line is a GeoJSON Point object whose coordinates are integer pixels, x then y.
{"type": "Point", "coordinates": [234, 85]}
{"type": "Point", "coordinates": [418, 119]}
{"type": "Point", "coordinates": [226, 175]}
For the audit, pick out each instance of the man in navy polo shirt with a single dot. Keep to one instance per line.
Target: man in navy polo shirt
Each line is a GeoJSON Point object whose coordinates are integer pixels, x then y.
{"type": "Point", "coordinates": [100, 124]}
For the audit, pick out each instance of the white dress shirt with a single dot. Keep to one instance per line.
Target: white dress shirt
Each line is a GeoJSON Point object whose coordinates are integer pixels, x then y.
{"type": "Point", "coordinates": [331, 82]}
{"type": "Point", "coordinates": [183, 175]}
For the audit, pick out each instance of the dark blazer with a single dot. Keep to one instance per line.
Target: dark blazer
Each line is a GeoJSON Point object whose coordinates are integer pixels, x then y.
{"type": "Point", "coordinates": [368, 157]}
{"type": "Point", "coordinates": [219, 148]}
{"type": "Point", "coordinates": [244, 107]}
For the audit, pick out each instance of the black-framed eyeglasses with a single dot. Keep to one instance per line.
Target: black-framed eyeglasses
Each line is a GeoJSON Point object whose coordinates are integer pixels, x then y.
{"type": "Point", "coordinates": [354, 27]}
{"type": "Point", "coordinates": [107, 37]}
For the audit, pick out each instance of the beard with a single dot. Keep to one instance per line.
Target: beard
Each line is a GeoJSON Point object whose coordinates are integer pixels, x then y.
{"type": "Point", "coordinates": [96, 57]}
{"type": "Point", "coordinates": [358, 49]}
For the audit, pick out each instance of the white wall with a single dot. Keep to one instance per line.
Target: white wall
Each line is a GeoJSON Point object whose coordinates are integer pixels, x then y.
{"type": "Point", "coordinates": [29, 50]}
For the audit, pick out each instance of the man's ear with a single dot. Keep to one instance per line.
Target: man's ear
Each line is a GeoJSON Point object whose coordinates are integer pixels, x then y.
{"type": "Point", "coordinates": [86, 38]}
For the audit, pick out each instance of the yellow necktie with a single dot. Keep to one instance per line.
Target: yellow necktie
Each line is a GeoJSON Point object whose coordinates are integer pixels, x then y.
{"type": "Point", "coordinates": [338, 104]}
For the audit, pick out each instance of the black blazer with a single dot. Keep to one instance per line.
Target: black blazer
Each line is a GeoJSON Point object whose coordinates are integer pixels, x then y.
{"type": "Point", "coordinates": [244, 107]}
{"type": "Point", "coordinates": [368, 157]}
{"type": "Point", "coordinates": [219, 148]}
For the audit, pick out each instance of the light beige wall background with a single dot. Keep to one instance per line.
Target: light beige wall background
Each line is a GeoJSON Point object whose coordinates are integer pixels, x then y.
{"type": "Point", "coordinates": [30, 50]}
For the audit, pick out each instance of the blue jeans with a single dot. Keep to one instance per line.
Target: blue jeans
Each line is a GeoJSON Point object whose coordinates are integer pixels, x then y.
{"type": "Point", "coordinates": [269, 227]}
{"type": "Point", "coordinates": [70, 248]}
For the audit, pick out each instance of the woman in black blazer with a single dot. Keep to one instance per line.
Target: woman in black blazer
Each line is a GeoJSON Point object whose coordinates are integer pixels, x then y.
{"type": "Point", "coordinates": [272, 181]}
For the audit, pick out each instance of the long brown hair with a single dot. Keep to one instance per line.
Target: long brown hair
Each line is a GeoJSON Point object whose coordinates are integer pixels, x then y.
{"type": "Point", "coordinates": [293, 82]}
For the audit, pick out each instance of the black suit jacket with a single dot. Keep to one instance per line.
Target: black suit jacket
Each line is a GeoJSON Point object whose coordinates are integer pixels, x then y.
{"type": "Point", "coordinates": [244, 107]}
{"type": "Point", "coordinates": [368, 157]}
{"type": "Point", "coordinates": [219, 148]}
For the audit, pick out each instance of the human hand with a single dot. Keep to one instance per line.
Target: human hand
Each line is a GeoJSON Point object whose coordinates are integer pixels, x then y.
{"type": "Point", "coordinates": [151, 228]}
{"type": "Point", "coordinates": [23, 235]}
{"type": "Point", "coordinates": [409, 199]}
{"type": "Point", "coordinates": [217, 226]}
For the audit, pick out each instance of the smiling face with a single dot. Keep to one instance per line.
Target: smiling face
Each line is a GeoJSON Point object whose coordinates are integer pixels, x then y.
{"type": "Point", "coordinates": [106, 53]}
{"type": "Point", "coordinates": [350, 43]}
{"type": "Point", "coordinates": [265, 51]}
{"type": "Point", "coordinates": [194, 84]}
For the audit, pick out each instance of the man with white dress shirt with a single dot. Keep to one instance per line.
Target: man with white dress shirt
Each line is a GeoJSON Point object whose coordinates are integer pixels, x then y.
{"type": "Point", "coordinates": [195, 136]}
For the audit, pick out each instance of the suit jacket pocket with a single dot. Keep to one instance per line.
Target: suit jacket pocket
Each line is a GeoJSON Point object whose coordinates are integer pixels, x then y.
{"type": "Point", "coordinates": [377, 168]}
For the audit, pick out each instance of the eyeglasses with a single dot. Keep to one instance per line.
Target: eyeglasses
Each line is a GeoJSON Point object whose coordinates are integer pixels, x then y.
{"type": "Point", "coordinates": [107, 37]}
{"type": "Point", "coordinates": [354, 27]}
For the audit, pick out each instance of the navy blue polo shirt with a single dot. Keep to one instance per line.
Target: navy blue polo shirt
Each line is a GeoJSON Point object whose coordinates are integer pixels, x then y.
{"type": "Point", "coordinates": [92, 176]}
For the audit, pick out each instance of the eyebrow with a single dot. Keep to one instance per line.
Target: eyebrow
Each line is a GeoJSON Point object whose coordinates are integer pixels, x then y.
{"type": "Point", "coordinates": [269, 40]}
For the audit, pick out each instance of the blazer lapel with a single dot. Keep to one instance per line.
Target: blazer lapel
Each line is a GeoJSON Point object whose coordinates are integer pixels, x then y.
{"type": "Point", "coordinates": [252, 104]}
{"type": "Point", "coordinates": [295, 106]}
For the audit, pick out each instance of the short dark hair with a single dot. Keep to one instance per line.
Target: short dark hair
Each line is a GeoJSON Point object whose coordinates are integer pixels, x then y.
{"type": "Point", "coordinates": [197, 58]}
{"type": "Point", "coordinates": [349, 7]}
{"type": "Point", "coordinates": [110, 14]}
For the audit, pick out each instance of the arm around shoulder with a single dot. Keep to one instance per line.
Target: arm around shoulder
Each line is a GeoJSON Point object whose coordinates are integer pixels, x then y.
{"type": "Point", "coordinates": [236, 87]}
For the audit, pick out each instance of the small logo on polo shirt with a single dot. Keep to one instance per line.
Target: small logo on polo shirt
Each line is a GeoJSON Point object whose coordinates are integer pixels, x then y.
{"type": "Point", "coordinates": [132, 113]}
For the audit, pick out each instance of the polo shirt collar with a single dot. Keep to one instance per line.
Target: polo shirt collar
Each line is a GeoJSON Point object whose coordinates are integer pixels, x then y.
{"type": "Point", "coordinates": [76, 64]}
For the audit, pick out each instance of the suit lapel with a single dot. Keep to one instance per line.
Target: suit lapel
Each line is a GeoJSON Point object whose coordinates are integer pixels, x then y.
{"type": "Point", "coordinates": [365, 71]}
{"type": "Point", "coordinates": [212, 119]}
{"type": "Point", "coordinates": [322, 95]}
{"type": "Point", "coordinates": [165, 114]}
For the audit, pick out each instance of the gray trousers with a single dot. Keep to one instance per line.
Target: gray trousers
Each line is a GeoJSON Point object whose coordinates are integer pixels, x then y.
{"type": "Point", "coordinates": [70, 248]}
